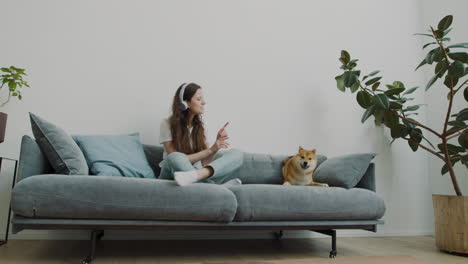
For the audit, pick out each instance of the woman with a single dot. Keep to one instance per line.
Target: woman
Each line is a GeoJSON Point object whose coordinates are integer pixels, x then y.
{"type": "Point", "coordinates": [187, 157]}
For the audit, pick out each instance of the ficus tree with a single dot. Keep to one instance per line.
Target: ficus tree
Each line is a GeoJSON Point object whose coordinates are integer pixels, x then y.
{"type": "Point", "coordinates": [391, 106]}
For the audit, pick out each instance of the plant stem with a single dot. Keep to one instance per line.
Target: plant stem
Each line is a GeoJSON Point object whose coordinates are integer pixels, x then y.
{"type": "Point", "coordinates": [418, 124]}
{"type": "Point", "coordinates": [456, 130]}
{"type": "Point", "coordinates": [459, 87]}
{"type": "Point", "coordinates": [448, 162]}
{"type": "Point", "coordinates": [426, 148]}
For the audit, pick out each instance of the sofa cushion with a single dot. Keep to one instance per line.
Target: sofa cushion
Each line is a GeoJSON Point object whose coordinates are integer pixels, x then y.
{"type": "Point", "coordinates": [343, 171]}
{"type": "Point", "coordinates": [107, 197]}
{"type": "Point", "coordinates": [60, 149]}
{"type": "Point", "coordinates": [115, 155]}
{"type": "Point", "coordinates": [261, 202]}
{"type": "Point", "coordinates": [264, 168]}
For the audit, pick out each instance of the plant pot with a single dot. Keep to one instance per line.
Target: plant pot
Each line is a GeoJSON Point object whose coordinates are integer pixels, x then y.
{"type": "Point", "coordinates": [3, 121]}
{"type": "Point", "coordinates": [451, 222]}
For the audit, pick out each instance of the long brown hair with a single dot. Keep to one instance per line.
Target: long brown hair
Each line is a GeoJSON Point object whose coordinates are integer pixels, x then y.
{"type": "Point", "coordinates": [179, 124]}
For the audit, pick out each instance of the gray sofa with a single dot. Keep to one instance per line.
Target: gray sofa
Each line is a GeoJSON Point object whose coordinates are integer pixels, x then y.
{"type": "Point", "coordinates": [44, 200]}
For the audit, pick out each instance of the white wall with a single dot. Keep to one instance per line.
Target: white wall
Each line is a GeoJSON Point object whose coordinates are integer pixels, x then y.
{"type": "Point", "coordinates": [436, 97]}
{"type": "Point", "coordinates": [112, 67]}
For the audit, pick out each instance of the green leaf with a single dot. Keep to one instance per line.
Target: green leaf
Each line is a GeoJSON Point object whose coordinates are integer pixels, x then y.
{"type": "Point", "coordinates": [427, 44]}
{"type": "Point", "coordinates": [423, 34]}
{"type": "Point", "coordinates": [431, 82]}
{"type": "Point", "coordinates": [465, 93]}
{"type": "Point", "coordinates": [411, 90]}
{"type": "Point", "coordinates": [373, 80]}
{"type": "Point", "coordinates": [379, 117]}
{"type": "Point", "coordinates": [459, 45]}
{"type": "Point", "coordinates": [370, 111]}
{"type": "Point", "coordinates": [350, 78]}
{"type": "Point", "coordinates": [431, 55]}
{"type": "Point", "coordinates": [413, 145]}
{"type": "Point", "coordinates": [463, 140]}
{"type": "Point", "coordinates": [459, 56]}
{"type": "Point", "coordinates": [456, 69]}
{"type": "Point", "coordinates": [450, 81]}
{"type": "Point", "coordinates": [345, 56]}
{"type": "Point", "coordinates": [395, 105]}
{"type": "Point", "coordinates": [444, 169]}
{"type": "Point", "coordinates": [452, 149]}
{"type": "Point", "coordinates": [462, 115]}
{"type": "Point", "coordinates": [396, 131]}
{"type": "Point", "coordinates": [394, 91]}
{"type": "Point", "coordinates": [364, 99]}
{"type": "Point", "coordinates": [456, 123]}
{"type": "Point", "coordinates": [390, 118]}
{"type": "Point", "coordinates": [375, 86]}
{"type": "Point", "coordinates": [423, 62]}
{"type": "Point", "coordinates": [442, 66]}
{"type": "Point", "coordinates": [373, 73]}
{"type": "Point", "coordinates": [340, 83]}
{"type": "Point", "coordinates": [355, 86]}
{"type": "Point", "coordinates": [398, 84]}
{"type": "Point", "coordinates": [381, 101]}
{"type": "Point", "coordinates": [445, 23]}
{"type": "Point", "coordinates": [411, 108]}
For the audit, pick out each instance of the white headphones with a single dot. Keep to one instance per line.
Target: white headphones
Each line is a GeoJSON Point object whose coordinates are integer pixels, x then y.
{"type": "Point", "coordinates": [181, 96]}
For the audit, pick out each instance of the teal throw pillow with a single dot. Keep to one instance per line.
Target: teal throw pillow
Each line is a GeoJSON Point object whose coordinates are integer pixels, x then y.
{"type": "Point", "coordinates": [343, 171]}
{"type": "Point", "coordinates": [115, 155]}
{"type": "Point", "coordinates": [58, 147]}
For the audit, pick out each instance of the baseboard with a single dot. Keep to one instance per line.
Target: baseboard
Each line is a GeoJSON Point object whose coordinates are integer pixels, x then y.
{"type": "Point", "coordinates": [198, 235]}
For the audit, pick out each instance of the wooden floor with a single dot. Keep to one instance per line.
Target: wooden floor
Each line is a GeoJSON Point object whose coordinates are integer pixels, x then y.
{"type": "Point", "coordinates": [193, 251]}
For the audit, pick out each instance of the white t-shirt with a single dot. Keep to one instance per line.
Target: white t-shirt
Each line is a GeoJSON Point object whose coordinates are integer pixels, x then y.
{"type": "Point", "coordinates": [165, 135]}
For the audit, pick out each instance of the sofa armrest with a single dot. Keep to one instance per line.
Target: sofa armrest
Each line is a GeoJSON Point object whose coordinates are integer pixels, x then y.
{"type": "Point", "coordinates": [368, 180]}
{"type": "Point", "coordinates": [32, 161]}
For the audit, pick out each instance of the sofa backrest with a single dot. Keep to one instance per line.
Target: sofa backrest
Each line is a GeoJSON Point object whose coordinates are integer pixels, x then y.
{"type": "Point", "coordinates": [257, 168]}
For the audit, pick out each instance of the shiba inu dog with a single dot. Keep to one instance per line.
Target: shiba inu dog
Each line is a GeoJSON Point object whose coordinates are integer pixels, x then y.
{"type": "Point", "coordinates": [298, 170]}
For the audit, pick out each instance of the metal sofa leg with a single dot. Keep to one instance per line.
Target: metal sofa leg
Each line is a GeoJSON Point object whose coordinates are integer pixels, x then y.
{"type": "Point", "coordinates": [95, 235]}
{"type": "Point", "coordinates": [331, 233]}
{"type": "Point", "coordinates": [278, 235]}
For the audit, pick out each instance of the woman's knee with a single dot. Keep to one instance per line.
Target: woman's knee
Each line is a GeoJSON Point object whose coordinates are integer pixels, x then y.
{"type": "Point", "coordinates": [175, 156]}
{"type": "Point", "coordinates": [237, 155]}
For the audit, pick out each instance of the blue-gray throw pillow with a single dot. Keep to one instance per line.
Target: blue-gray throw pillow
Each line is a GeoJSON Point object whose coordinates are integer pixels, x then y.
{"type": "Point", "coordinates": [115, 155]}
{"type": "Point", "coordinates": [60, 149]}
{"type": "Point", "coordinates": [343, 171]}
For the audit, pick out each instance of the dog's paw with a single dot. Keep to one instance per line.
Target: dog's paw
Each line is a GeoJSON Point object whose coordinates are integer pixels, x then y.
{"type": "Point", "coordinates": [324, 185]}
{"type": "Point", "coordinates": [286, 183]}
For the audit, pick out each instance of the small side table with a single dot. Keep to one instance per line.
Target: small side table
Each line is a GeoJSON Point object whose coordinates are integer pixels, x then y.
{"type": "Point", "coordinates": [3, 162]}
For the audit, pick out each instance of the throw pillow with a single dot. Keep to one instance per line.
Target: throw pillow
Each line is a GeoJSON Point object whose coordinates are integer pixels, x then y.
{"type": "Point", "coordinates": [343, 171]}
{"type": "Point", "coordinates": [60, 149]}
{"type": "Point", "coordinates": [115, 155]}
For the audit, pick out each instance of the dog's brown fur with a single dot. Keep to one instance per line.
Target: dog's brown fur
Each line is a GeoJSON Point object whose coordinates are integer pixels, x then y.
{"type": "Point", "coordinates": [298, 169]}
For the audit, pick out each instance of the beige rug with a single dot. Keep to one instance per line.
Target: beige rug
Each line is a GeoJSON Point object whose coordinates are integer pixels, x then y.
{"type": "Point", "coordinates": [393, 259]}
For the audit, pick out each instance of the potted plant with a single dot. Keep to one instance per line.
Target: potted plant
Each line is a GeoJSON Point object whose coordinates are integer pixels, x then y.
{"type": "Point", "coordinates": [11, 79]}
{"type": "Point", "coordinates": [390, 107]}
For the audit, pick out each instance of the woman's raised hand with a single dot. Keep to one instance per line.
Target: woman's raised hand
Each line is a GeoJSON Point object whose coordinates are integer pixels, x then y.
{"type": "Point", "coordinates": [221, 139]}
{"type": "Point", "coordinates": [222, 132]}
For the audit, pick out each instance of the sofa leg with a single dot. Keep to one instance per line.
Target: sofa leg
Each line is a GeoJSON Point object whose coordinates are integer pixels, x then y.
{"type": "Point", "coordinates": [331, 233]}
{"type": "Point", "coordinates": [278, 235]}
{"type": "Point", "coordinates": [95, 235]}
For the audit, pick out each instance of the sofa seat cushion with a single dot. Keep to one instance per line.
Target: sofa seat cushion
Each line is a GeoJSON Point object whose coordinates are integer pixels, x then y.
{"type": "Point", "coordinates": [261, 202]}
{"type": "Point", "coordinates": [108, 197]}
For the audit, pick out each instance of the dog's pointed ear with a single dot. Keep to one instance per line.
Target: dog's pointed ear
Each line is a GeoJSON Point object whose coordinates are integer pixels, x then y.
{"type": "Point", "coordinates": [300, 148]}
{"type": "Point", "coordinates": [314, 151]}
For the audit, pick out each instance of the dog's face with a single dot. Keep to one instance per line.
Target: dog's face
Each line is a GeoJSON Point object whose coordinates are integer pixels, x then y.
{"type": "Point", "coordinates": [306, 159]}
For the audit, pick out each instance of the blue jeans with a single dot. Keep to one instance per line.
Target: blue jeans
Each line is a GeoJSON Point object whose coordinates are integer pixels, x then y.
{"type": "Point", "coordinates": [223, 165]}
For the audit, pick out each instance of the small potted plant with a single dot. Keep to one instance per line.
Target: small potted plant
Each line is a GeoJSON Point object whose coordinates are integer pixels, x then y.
{"type": "Point", "coordinates": [390, 107]}
{"type": "Point", "coordinates": [11, 80]}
